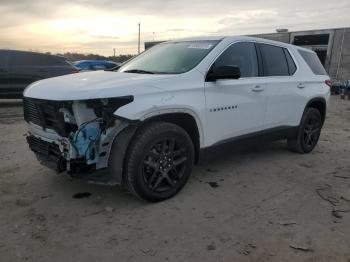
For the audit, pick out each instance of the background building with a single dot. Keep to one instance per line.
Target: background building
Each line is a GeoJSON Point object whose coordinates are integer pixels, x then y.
{"type": "Point", "coordinates": [331, 45]}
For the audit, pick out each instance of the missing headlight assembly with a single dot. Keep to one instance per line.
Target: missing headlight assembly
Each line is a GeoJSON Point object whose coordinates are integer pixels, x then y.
{"type": "Point", "coordinates": [74, 136]}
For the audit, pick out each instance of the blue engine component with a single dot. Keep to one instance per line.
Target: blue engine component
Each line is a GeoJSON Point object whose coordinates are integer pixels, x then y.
{"type": "Point", "coordinates": [86, 141]}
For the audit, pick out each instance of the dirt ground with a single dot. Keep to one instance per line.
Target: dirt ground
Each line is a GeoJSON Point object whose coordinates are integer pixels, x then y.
{"type": "Point", "coordinates": [263, 203]}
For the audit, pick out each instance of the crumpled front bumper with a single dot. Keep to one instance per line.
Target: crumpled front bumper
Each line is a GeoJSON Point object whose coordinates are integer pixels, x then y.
{"type": "Point", "coordinates": [58, 153]}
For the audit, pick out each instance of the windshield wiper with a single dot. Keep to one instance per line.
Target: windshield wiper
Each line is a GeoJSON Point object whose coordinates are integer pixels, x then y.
{"type": "Point", "coordinates": [138, 71]}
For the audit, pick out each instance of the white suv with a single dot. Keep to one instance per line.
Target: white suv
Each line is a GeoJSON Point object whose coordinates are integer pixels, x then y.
{"type": "Point", "coordinates": [145, 125]}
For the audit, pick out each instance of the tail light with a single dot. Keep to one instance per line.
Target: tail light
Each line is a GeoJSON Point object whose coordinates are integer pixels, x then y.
{"type": "Point", "coordinates": [328, 82]}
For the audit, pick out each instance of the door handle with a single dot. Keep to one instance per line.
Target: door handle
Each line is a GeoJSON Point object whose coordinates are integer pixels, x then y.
{"type": "Point", "coordinates": [257, 88]}
{"type": "Point", "coordinates": [301, 85]}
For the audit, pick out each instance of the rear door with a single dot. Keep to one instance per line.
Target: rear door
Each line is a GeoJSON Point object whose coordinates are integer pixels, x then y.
{"type": "Point", "coordinates": [235, 107]}
{"type": "Point", "coordinates": [283, 90]}
{"type": "Point", "coordinates": [5, 74]}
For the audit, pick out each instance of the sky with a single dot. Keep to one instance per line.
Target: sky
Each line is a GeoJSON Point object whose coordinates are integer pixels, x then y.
{"type": "Point", "coordinates": [99, 26]}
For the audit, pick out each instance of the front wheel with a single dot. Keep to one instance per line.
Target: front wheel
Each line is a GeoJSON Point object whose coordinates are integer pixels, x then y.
{"type": "Point", "coordinates": [159, 161]}
{"type": "Point", "coordinates": [308, 133]}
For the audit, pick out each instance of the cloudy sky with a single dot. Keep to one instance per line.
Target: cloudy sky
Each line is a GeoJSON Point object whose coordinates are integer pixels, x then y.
{"type": "Point", "coordinates": [98, 26]}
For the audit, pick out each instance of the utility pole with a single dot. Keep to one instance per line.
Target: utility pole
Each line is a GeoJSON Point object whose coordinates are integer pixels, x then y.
{"type": "Point", "coordinates": [114, 52]}
{"type": "Point", "coordinates": [138, 48]}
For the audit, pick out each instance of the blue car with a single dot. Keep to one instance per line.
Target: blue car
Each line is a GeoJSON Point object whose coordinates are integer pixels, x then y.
{"type": "Point", "coordinates": [93, 65]}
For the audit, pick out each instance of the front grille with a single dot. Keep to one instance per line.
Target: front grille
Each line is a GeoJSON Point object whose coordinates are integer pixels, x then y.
{"type": "Point", "coordinates": [47, 149]}
{"type": "Point", "coordinates": [48, 153]}
{"type": "Point", "coordinates": [31, 111]}
{"type": "Point", "coordinates": [44, 113]}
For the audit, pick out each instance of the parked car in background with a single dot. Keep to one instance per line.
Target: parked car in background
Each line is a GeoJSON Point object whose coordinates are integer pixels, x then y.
{"type": "Point", "coordinates": [18, 69]}
{"type": "Point", "coordinates": [94, 65]}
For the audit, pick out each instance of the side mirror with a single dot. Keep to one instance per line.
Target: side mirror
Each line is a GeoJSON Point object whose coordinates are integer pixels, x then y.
{"type": "Point", "coordinates": [223, 72]}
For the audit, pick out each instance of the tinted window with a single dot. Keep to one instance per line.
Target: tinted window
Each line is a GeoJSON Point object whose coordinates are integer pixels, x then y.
{"type": "Point", "coordinates": [275, 63]}
{"type": "Point", "coordinates": [314, 63]}
{"type": "Point", "coordinates": [242, 55]}
{"type": "Point", "coordinates": [291, 65]}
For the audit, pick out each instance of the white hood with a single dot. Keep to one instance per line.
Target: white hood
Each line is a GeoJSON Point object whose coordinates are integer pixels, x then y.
{"type": "Point", "coordinates": [98, 84]}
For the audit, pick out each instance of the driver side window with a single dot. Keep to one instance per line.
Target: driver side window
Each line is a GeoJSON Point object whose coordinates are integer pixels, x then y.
{"type": "Point", "coordinates": [242, 55]}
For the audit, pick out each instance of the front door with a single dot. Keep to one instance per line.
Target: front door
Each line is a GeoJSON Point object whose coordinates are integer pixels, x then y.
{"type": "Point", "coordinates": [235, 107]}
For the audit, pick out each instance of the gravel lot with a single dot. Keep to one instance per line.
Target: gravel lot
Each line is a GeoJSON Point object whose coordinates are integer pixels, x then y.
{"type": "Point", "coordinates": [261, 203]}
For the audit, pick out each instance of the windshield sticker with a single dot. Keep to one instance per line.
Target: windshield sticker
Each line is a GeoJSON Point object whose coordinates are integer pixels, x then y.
{"type": "Point", "coordinates": [200, 46]}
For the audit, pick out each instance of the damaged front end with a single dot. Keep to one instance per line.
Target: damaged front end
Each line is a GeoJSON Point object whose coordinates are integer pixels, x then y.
{"type": "Point", "coordinates": [74, 136]}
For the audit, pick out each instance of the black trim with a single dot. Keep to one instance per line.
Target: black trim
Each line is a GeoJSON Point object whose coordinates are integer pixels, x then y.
{"type": "Point", "coordinates": [268, 135]}
{"type": "Point", "coordinates": [281, 131]}
{"type": "Point", "coordinates": [260, 60]}
{"type": "Point", "coordinates": [287, 54]}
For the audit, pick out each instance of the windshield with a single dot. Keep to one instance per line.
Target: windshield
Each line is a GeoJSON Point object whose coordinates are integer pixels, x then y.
{"type": "Point", "coordinates": [170, 57]}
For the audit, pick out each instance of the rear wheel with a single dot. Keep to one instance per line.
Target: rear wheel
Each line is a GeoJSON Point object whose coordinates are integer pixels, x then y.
{"type": "Point", "coordinates": [159, 161]}
{"type": "Point", "coordinates": [308, 133]}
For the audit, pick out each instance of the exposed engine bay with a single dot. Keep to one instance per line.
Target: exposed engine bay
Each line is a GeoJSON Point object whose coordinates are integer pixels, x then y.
{"type": "Point", "coordinates": [74, 136]}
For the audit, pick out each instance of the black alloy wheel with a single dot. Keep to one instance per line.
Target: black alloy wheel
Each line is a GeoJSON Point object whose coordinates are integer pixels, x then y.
{"type": "Point", "coordinates": [308, 132]}
{"type": "Point", "coordinates": [164, 165]}
{"type": "Point", "coordinates": [312, 130]}
{"type": "Point", "coordinates": [159, 161]}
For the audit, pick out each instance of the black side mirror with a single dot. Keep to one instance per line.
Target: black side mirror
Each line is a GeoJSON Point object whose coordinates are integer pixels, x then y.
{"type": "Point", "coordinates": [223, 72]}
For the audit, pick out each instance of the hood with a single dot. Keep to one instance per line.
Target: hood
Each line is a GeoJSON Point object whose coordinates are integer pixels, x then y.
{"type": "Point", "coordinates": [97, 84]}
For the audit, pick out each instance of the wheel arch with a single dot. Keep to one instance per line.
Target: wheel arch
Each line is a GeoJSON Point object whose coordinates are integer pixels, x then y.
{"type": "Point", "coordinates": [320, 104]}
{"type": "Point", "coordinates": [185, 120]}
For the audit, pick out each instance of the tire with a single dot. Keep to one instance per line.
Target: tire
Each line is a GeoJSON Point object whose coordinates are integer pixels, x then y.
{"type": "Point", "coordinates": [159, 161]}
{"type": "Point", "coordinates": [308, 132]}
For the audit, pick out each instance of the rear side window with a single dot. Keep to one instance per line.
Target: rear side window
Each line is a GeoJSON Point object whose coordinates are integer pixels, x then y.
{"type": "Point", "coordinates": [242, 55]}
{"type": "Point", "coordinates": [274, 60]}
{"type": "Point", "coordinates": [313, 62]}
{"type": "Point", "coordinates": [291, 65]}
